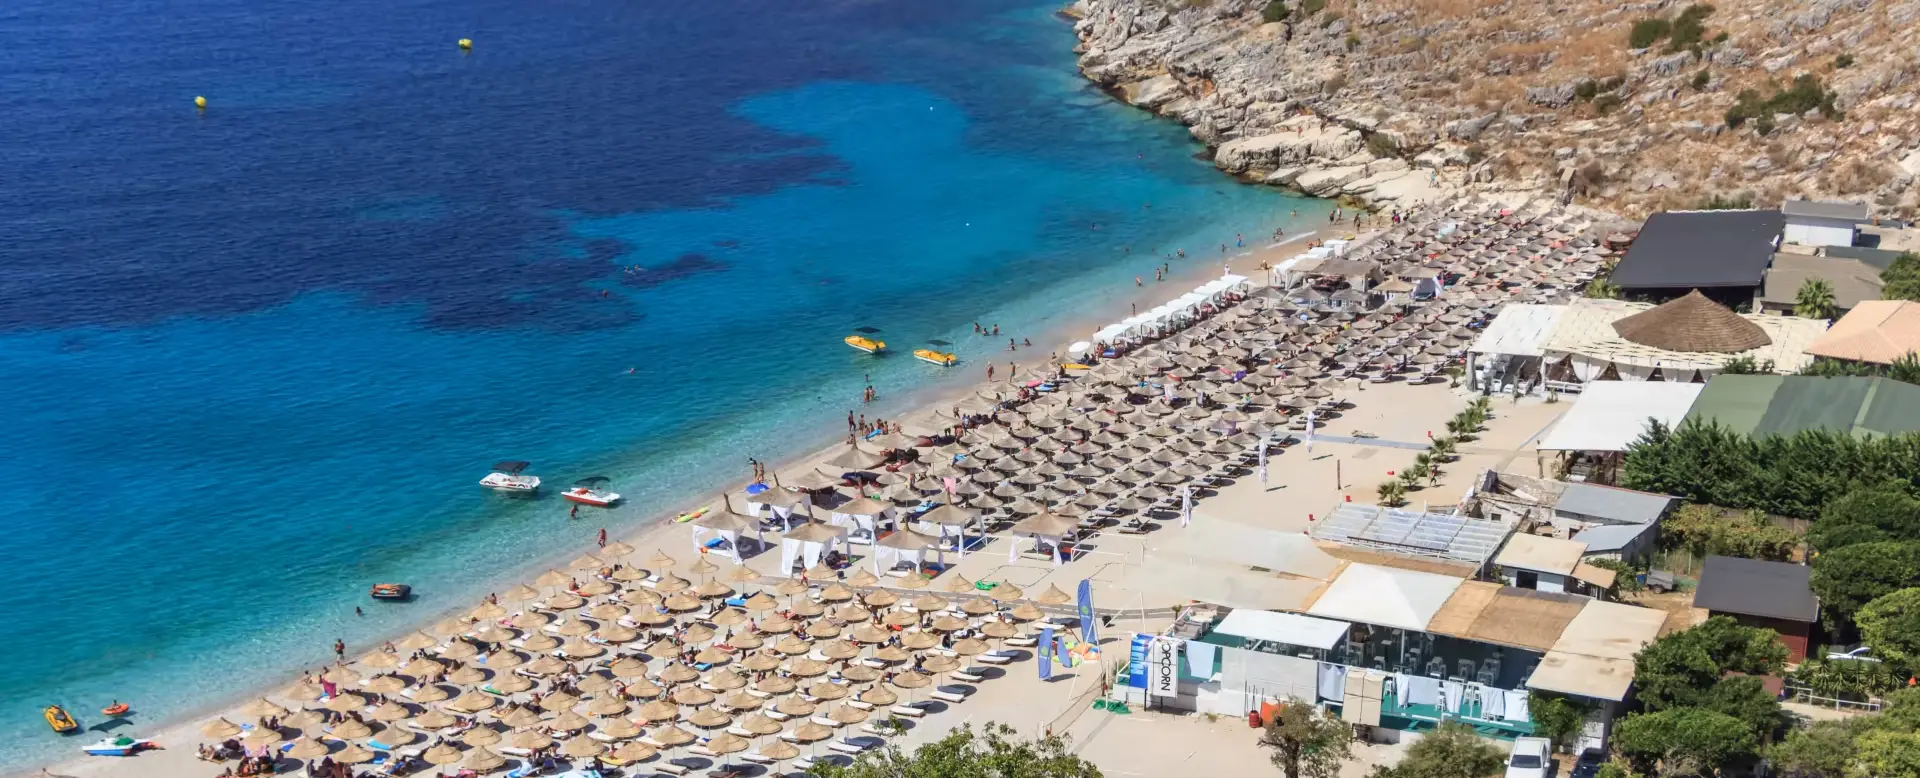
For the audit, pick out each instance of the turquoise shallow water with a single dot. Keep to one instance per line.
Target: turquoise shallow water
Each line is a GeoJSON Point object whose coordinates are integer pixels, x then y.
{"type": "Point", "coordinates": [253, 361]}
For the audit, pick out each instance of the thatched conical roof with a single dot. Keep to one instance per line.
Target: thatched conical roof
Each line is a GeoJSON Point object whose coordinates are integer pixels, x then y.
{"type": "Point", "coordinates": [1692, 323]}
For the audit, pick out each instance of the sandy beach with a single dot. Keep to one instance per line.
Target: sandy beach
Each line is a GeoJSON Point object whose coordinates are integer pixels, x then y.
{"type": "Point", "coordinates": [1380, 430]}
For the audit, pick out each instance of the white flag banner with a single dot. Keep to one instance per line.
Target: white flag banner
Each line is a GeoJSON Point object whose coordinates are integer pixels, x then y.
{"type": "Point", "coordinates": [1163, 666]}
{"type": "Point", "coordinates": [1310, 415]}
{"type": "Point", "coordinates": [1186, 505]}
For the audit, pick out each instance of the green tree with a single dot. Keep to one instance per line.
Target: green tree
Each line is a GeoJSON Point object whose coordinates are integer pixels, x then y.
{"type": "Point", "coordinates": [1745, 698]}
{"type": "Point", "coordinates": [1901, 279]}
{"type": "Point", "coordinates": [1450, 751]}
{"type": "Point", "coordinates": [1704, 530]}
{"type": "Point", "coordinates": [1306, 744]}
{"type": "Point", "coordinates": [1684, 742]}
{"type": "Point", "coordinates": [1681, 669]}
{"type": "Point", "coordinates": [1891, 625]}
{"type": "Point", "coordinates": [1746, 366]}
{"type": "Point", "coordinates": [1881, 512]}
{"type": "Point", "coordinates": [1844, 679]}
{"type": "Point", "coordinates": [1600, 288]}
{"type": "Point", "coordinates": [963, 753]}
{"type": "Point", "coordinates": [1556, 717]}
{"type": "Point", "coordinates": [1392, 492]}
{"type": "Point", "coordinates": [1814, 300]}
{"type": "Point", "coordinates": [1849, 577]}
{"type": "Point", "coordinates": [1887, 754]}
{"type": "Point", "coordinates": [1823, 749]}
{"type": "Point", "coordinates": [1275, 11]}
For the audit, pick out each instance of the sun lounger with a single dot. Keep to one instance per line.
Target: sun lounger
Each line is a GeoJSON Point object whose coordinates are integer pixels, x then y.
{"type": "Point", "coordinates": [845, 747]}
{"type": "Point", "coordinates": [803, 764]}
{"type": "Point", "coordinates": [755, 757]}
{"type": "Point", "coordinates": [962, 675]}
{"type": "Point", "coordinates": [860, 705]}
{"type": "Point", "coordinates": [825, 722]}
{"type": "Point", "coordinates": [774, 714]}
{"type": "Point", "coordinates": [1023, 641]}
{"type": "Point", "coordinates": [994, 658]}
{"type": "Point", "coordinates": [908, 711]}
{"type": "Point", "coordinates": [670, 768]}
{"type": "Point", "coordinates": [947, 696]}
{"type": "Point", "coordinates": [700, 750]}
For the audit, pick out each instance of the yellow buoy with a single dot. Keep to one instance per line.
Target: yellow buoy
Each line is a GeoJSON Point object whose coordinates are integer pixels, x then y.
{"type": "Point", "coordinates": [466, 44]}
{"type": "Point", "coordinates": [200, 103]}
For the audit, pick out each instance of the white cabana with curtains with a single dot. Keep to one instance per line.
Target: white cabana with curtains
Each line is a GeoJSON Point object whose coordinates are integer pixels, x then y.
{"type": "Point", "coordinates": [863, 514]}
{"type": "Point", "coordinates": [723, 521]}
{"type": "Point", "coordinates": [1046, 529]}
{"type": "Point", "coordinates": [904, 546]}
{"type": "Point", "coordinates": [808, 542]}
{"type": "Point", "coordinates": [949, 521]}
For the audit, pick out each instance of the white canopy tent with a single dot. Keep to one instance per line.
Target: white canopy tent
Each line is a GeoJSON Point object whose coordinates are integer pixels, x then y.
{"type": "Point", "coordinates": [1610, 415]}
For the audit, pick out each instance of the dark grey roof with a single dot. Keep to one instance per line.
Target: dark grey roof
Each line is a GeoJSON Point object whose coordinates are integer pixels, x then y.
{"type": "Point", "coordinates": [1623, 506]}
{"type": "Point", "coordinates": [1700, 249]}
{"type": "Point", "coordinates": [1880, 259]}
{"type": "Point", "coordinates": [1825, 209]}
{"type": "Point", "coordinates": [1611, 537]}
{"type": "Point", "coordinates": [1776, 590]}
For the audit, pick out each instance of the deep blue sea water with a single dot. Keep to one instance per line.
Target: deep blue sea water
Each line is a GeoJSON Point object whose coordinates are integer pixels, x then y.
{"type": "Point", "coordinates": [253, 360]}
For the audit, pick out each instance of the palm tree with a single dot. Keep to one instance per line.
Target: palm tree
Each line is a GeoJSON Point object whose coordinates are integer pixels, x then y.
{"type": "Point", "coordinates": [1601, 289]}
{"type": "Point", "coordinates": [1442, 449]}
{"type": "Point", "coordinates": [1814, 300]}
{"type": "Point", "coordinates": [1391, 492]}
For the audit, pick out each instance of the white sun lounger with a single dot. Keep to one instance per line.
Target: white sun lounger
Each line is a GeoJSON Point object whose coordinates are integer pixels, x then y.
{"type": "Point", "coordinates": [845, 747]}
{"type": "Point", "coordinates": [669, 768]}
{"type": "Point", "coordinates": [947, 696]}
{"type": "Point", "coordinates": [994, 659]}
{"type": "Point", "coordinates": [962, 675]}
{"type": "Point", "coordinates": [908, 711]}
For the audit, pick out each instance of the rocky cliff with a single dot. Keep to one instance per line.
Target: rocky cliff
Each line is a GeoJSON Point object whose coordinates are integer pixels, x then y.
{"type": "Point", "coordinates": [1630, 107]}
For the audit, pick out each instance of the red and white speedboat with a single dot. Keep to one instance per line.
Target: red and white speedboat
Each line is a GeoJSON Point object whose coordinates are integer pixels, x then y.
{"type": "Point", "coordinates": [592, 491]}
{"type": "Point", "coordinates": [506, 477]}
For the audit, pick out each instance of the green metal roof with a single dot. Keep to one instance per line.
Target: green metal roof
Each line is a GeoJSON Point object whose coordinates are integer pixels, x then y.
{"type": "Point", "coordinates": [1761, 405]}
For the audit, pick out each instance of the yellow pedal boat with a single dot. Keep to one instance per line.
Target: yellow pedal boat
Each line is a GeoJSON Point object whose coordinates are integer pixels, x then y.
{"type": "Point", "coordinates": [940, 358]}
{"type": "Point", "coordinates": [868, 345]}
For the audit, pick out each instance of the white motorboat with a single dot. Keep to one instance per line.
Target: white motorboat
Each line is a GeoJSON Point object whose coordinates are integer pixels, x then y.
{"type": "Point", "coordinates": [507, 477]}
{"type": "Point", "coordinates": [592, 491]}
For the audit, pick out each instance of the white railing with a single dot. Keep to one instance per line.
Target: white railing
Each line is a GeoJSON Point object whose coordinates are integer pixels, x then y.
{"type": "Point", "coordinates": [1805, 695]}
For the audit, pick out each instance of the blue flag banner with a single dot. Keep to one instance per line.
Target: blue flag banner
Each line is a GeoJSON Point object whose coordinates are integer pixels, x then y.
{"type": "Point", "coordinates": [1089, 631]}
{"type": "Point", "coordinates": [1046, 654]}
{"type": "Point", "coordinates": [1137, 661]}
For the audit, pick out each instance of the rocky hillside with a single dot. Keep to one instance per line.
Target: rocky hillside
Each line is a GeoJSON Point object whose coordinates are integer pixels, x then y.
{"type": "Point", "coordinates": [1630, 107]}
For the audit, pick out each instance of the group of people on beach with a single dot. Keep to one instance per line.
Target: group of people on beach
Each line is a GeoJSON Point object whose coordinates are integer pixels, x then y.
{"type": "Point", "coordinates": [858, 427]}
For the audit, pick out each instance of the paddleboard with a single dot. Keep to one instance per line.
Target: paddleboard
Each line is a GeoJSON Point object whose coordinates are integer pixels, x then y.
{"type": "Point", "coordinates": [686, 517]}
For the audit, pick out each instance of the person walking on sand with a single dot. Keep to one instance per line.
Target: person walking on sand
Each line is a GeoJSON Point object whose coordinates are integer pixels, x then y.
{"type": "Point", "coordinates": [603, 537]}
{"type": "Point", "coordinates": [850, 426]}
{"type": "Point", "coordinates": [339, 650]}
{"type": "Point", "coordinates": [989, 372]}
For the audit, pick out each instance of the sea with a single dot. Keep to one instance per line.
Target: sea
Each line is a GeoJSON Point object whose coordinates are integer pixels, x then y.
{"type": "Point", "coordinates": [254, 358]}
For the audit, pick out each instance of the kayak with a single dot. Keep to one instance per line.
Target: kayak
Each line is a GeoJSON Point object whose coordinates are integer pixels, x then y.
{"type": "Point", "coordinates": [686, 517]}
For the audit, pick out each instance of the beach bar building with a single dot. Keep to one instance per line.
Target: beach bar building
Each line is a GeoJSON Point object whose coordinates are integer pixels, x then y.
{"type": "Point", "coordinates": [1566, 348]}
{"type": "Point", "coordinates": [1392, 645]}
{"type": "Point", "coordinates": [1403, 650]}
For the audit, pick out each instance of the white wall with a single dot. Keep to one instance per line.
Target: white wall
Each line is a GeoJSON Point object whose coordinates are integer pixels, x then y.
{"type": "Point", "coordinates": [1810, 231]}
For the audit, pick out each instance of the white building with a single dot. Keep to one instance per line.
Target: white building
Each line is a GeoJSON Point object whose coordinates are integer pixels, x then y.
{"type": "Point", "coordinates": [1821, 223]}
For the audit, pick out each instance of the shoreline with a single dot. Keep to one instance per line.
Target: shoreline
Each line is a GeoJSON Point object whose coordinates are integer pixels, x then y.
{"type": "Point", "coordinates": [916, 408]}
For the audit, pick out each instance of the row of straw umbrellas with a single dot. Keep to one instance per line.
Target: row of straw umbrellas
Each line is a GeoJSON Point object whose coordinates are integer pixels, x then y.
{"type": "Point", "coordinates": [594, 670]}
{"type": "Point", "coordinates": [1131, 435]}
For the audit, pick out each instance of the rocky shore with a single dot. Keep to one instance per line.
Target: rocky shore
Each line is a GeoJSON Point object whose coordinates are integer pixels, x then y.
{"type": "Point", "coordinates": [1398, 102]}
